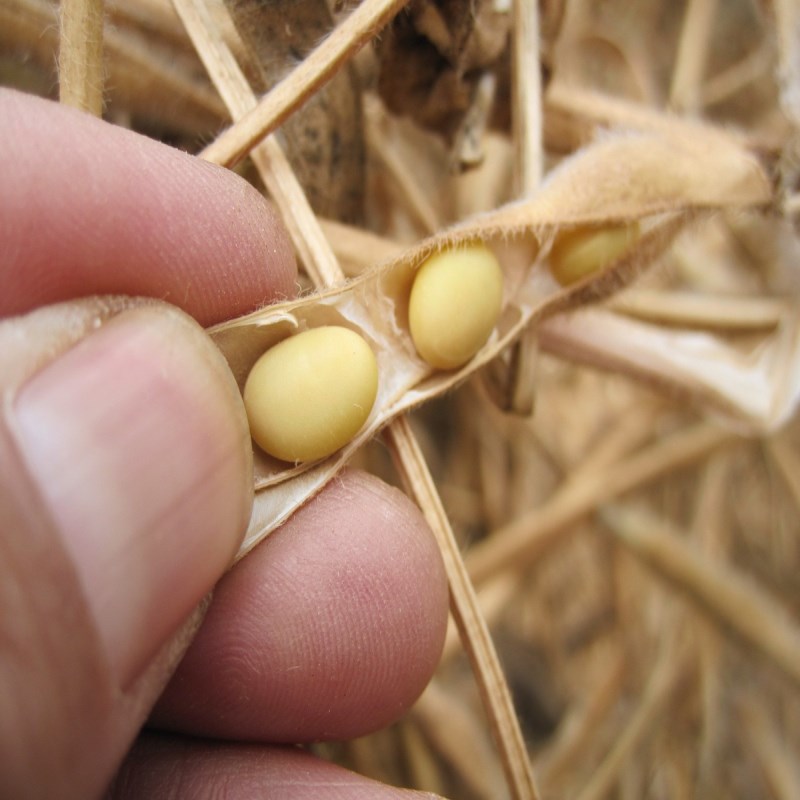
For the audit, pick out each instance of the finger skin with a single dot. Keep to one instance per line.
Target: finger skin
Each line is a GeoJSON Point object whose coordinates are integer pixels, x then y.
{"type": "Point", "coordinates": [87, 208]}
{"type": "Point", "coordinates": [90, 208]}
{"type": "Point", "coordinates": [329, 629]}
{"type": "Point", "coordinates": [163, 766]}
{"type": "Point", "coordinates": [67, 715]}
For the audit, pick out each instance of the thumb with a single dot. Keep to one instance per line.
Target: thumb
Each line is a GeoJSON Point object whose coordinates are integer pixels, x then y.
{"type": "Point", "coordinates": [125, 488]}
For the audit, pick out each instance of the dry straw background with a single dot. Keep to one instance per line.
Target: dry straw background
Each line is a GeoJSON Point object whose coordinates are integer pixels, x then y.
{"type": "Point", "coordinates": [615, 487]}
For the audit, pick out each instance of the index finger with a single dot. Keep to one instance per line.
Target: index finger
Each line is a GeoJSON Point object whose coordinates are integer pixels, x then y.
{"type": "Point", "coordinates": [91, 208]}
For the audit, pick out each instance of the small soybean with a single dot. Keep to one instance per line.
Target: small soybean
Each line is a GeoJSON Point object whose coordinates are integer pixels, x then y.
{"type": "Point", "coordinates": [579, 252]}
{"type": "Point", "coordinates": [455, 302]}
{"type": "Point", "coordinates": [310, 394]}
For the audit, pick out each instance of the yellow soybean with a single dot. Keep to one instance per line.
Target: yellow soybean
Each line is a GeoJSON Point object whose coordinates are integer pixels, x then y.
{"type": "Point", "coordinates": [310, 394]}
{"type": "Point", "coordinates": [455, 303]}
{"type": "Point", "coordinates": [580, 252]}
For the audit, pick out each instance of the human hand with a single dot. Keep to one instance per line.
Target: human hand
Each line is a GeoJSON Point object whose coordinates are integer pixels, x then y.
{"type": "Point", "coordinates": [125, 491]}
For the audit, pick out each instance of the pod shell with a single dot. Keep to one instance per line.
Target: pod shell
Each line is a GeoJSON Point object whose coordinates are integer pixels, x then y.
{"type": "Point", "coordinates": [455, 302]}
{"type": "Point", "coordinates": [309, 395]}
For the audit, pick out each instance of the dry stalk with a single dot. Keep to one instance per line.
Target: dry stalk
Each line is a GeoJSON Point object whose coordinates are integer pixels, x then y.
{"type": "Point", "coordinates": [527, 134]}
{"type": "Point", "coordinates": [738, 76]}
{"type": "Point", "coordinates": [466, 612]}
{"type": "Point", "coordinates": [156, 16]}
{"type": "Point", "coordinates": [452, 729]}
{"type": "Point", "coordinates": [788, 463]}
{"type": "Point", "coordinates": [135, 75]}
{"type": "Point", "coordinates": [422, 764]}
{"type": "Point", "coordinates": [729, 598]}
{"type": "Point", "coordinates": [667, 677]}
{"type": "Point", "coordinates": [496, 591]}
{"type": "Point", "coordinates": [493, 598]}
{"type": "Point", "coordinates": [269, 158]}
{"type": "Point", "coordinates": [692, 309]}
{"type": "Point", "coordinates": [80, 56]}
{"type": "Point", "coordinates": [311, 74]}
{"type": "Point", "coordinates": [581, 726]}
{"type": "Point", "coordinates": [411, 465]}
{"type": "Point", "coordinates": [709, 528]}
{"type": "Point", "coordinates": [594, 109]}
{"type": "Point", "coordinates": [787, 18]}
{"type": "Point", "coordinates": [356, 249]}
{"type": "Point", "coordinates": [690, 64]}
{"type": "Point", "coordinates": [526, 104]}
{"type": "Point", "coordinates": [409, 194]}
{"type": "Point", "coordinates": [522, 541]}
{"type": "Point", "coordinates": [778, 762]}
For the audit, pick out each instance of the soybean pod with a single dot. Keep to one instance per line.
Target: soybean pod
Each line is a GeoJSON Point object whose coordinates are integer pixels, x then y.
{"type": "Point", "coordinates": [519, 242]}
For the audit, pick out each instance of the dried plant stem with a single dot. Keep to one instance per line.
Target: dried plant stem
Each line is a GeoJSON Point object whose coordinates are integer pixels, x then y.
{"type": "Point", "coordinates": [80, 56]}
{"type": "Point", "coordinates": [709, 528]}
{"type": "Point", "coordinates": [452, 729]}
{"type": "Point", "coordinates": [701, 310]}
{"type": "Point", "coordinates": [791, 205]}
{"type": "Point", "coordinates": [423, 765]}
{"type": "Point", "coordinates": [690, 63]}
{"type": "Point", "coordinates": [788, 462]}
{"type": "Point", "coordinates": [525, 539]}
{"type": "Point", "coordinates": [411, 196]}
{"type": "Point", "coordinates": [300, 218]}
{"type": "Point", "coordinates": [464, 607]}
{"type": "Point", "coordinates": [581, 725]}
{"type": "Point", "coordinates": [493, 598]}
{"type": "Point", "coordinates": [357, 249]}
{"type": "Point", "coordinates": [526, 119]}
{"type": "Point", "coordinates": [598, 109]}
{"type": "Point", "coordinates": [731, 599]}
{"type": "Point", "coordinates": [269, 158]}
{"type": "Point", "coordinates": [787, 19]}
{"type": "Point", "coordinates": [663, 684]}
{"type": "Point", "coordinates": [526, 105]}
{"type": "Point", "coordinates": [135, 74]}
{"type": "Point", "coordinates": [155, 17]}
{"type": "Point", "coordinates": [738, 76]}
{"type": "Point", "coordinates": [778, 761]}
{"type": "Point", "coordinates": [311, 74]}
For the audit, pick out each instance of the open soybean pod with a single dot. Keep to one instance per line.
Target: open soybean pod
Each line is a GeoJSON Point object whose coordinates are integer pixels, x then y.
{"type": "Point", "coordinates": [652, 182]}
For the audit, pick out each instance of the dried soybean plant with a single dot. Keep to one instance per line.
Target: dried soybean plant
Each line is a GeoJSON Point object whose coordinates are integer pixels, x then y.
{"type": "Point", "coordinates": [616, 455]}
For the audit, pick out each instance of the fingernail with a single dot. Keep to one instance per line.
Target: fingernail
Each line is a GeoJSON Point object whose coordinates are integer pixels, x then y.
{"type": "Point", "coordinates": [136, 440]}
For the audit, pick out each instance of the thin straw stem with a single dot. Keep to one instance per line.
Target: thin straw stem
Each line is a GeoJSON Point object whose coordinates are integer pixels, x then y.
{"type": "Point", "coordinates": [525, 539]}
{"type": "Point", "coordinates": [309, 76]}
{"type": "Point", "coordinates": [663, 684]}
{"type": "Point", "coordinates": [729, 597]}
{"type": "Point", "coordinates": [80, 57]}
{"type": "Point", "coordinates": [412, 196]}
{"type": "Point", "coordinates": [776, 757]}
{"type": "Point", "coordinates": [466, 613]}
{"type": "Point", "coordinates": [527, 96]}
{"type": "Point", "coordinates": [527, 124]}
{"type": "Point", "coordinates": [787, 19]}
{"type": "Point", "coordinates": [696, 309]}
{"type": "Point", "coordinates": [690, 62]}
{"type": "Point", "coordinates": [582, 725]}
{"type": "Point", "coordinates": [269, 158]}
{"type": "Point", "coordinates": [788, 463]}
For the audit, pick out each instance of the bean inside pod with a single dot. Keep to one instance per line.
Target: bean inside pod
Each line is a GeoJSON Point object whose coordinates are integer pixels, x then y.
{"type": "Point", "coordinates": [455, 302]}
{"type": "Point", "coordinates": [309, 395]}
{"type": "Point", "coordinates": [579, 252]}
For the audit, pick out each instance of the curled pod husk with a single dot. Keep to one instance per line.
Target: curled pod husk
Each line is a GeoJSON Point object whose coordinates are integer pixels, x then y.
{"type": "Point", "coordinates": [657, 182]}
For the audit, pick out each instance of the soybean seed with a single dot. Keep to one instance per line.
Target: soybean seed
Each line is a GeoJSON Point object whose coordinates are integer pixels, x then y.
{"type": "Point", "coordinates": [309, 395]}
{"type": "Point", "coordinates": [580, 252]}
{"type": "Point", "coordinates": [455, 302]}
